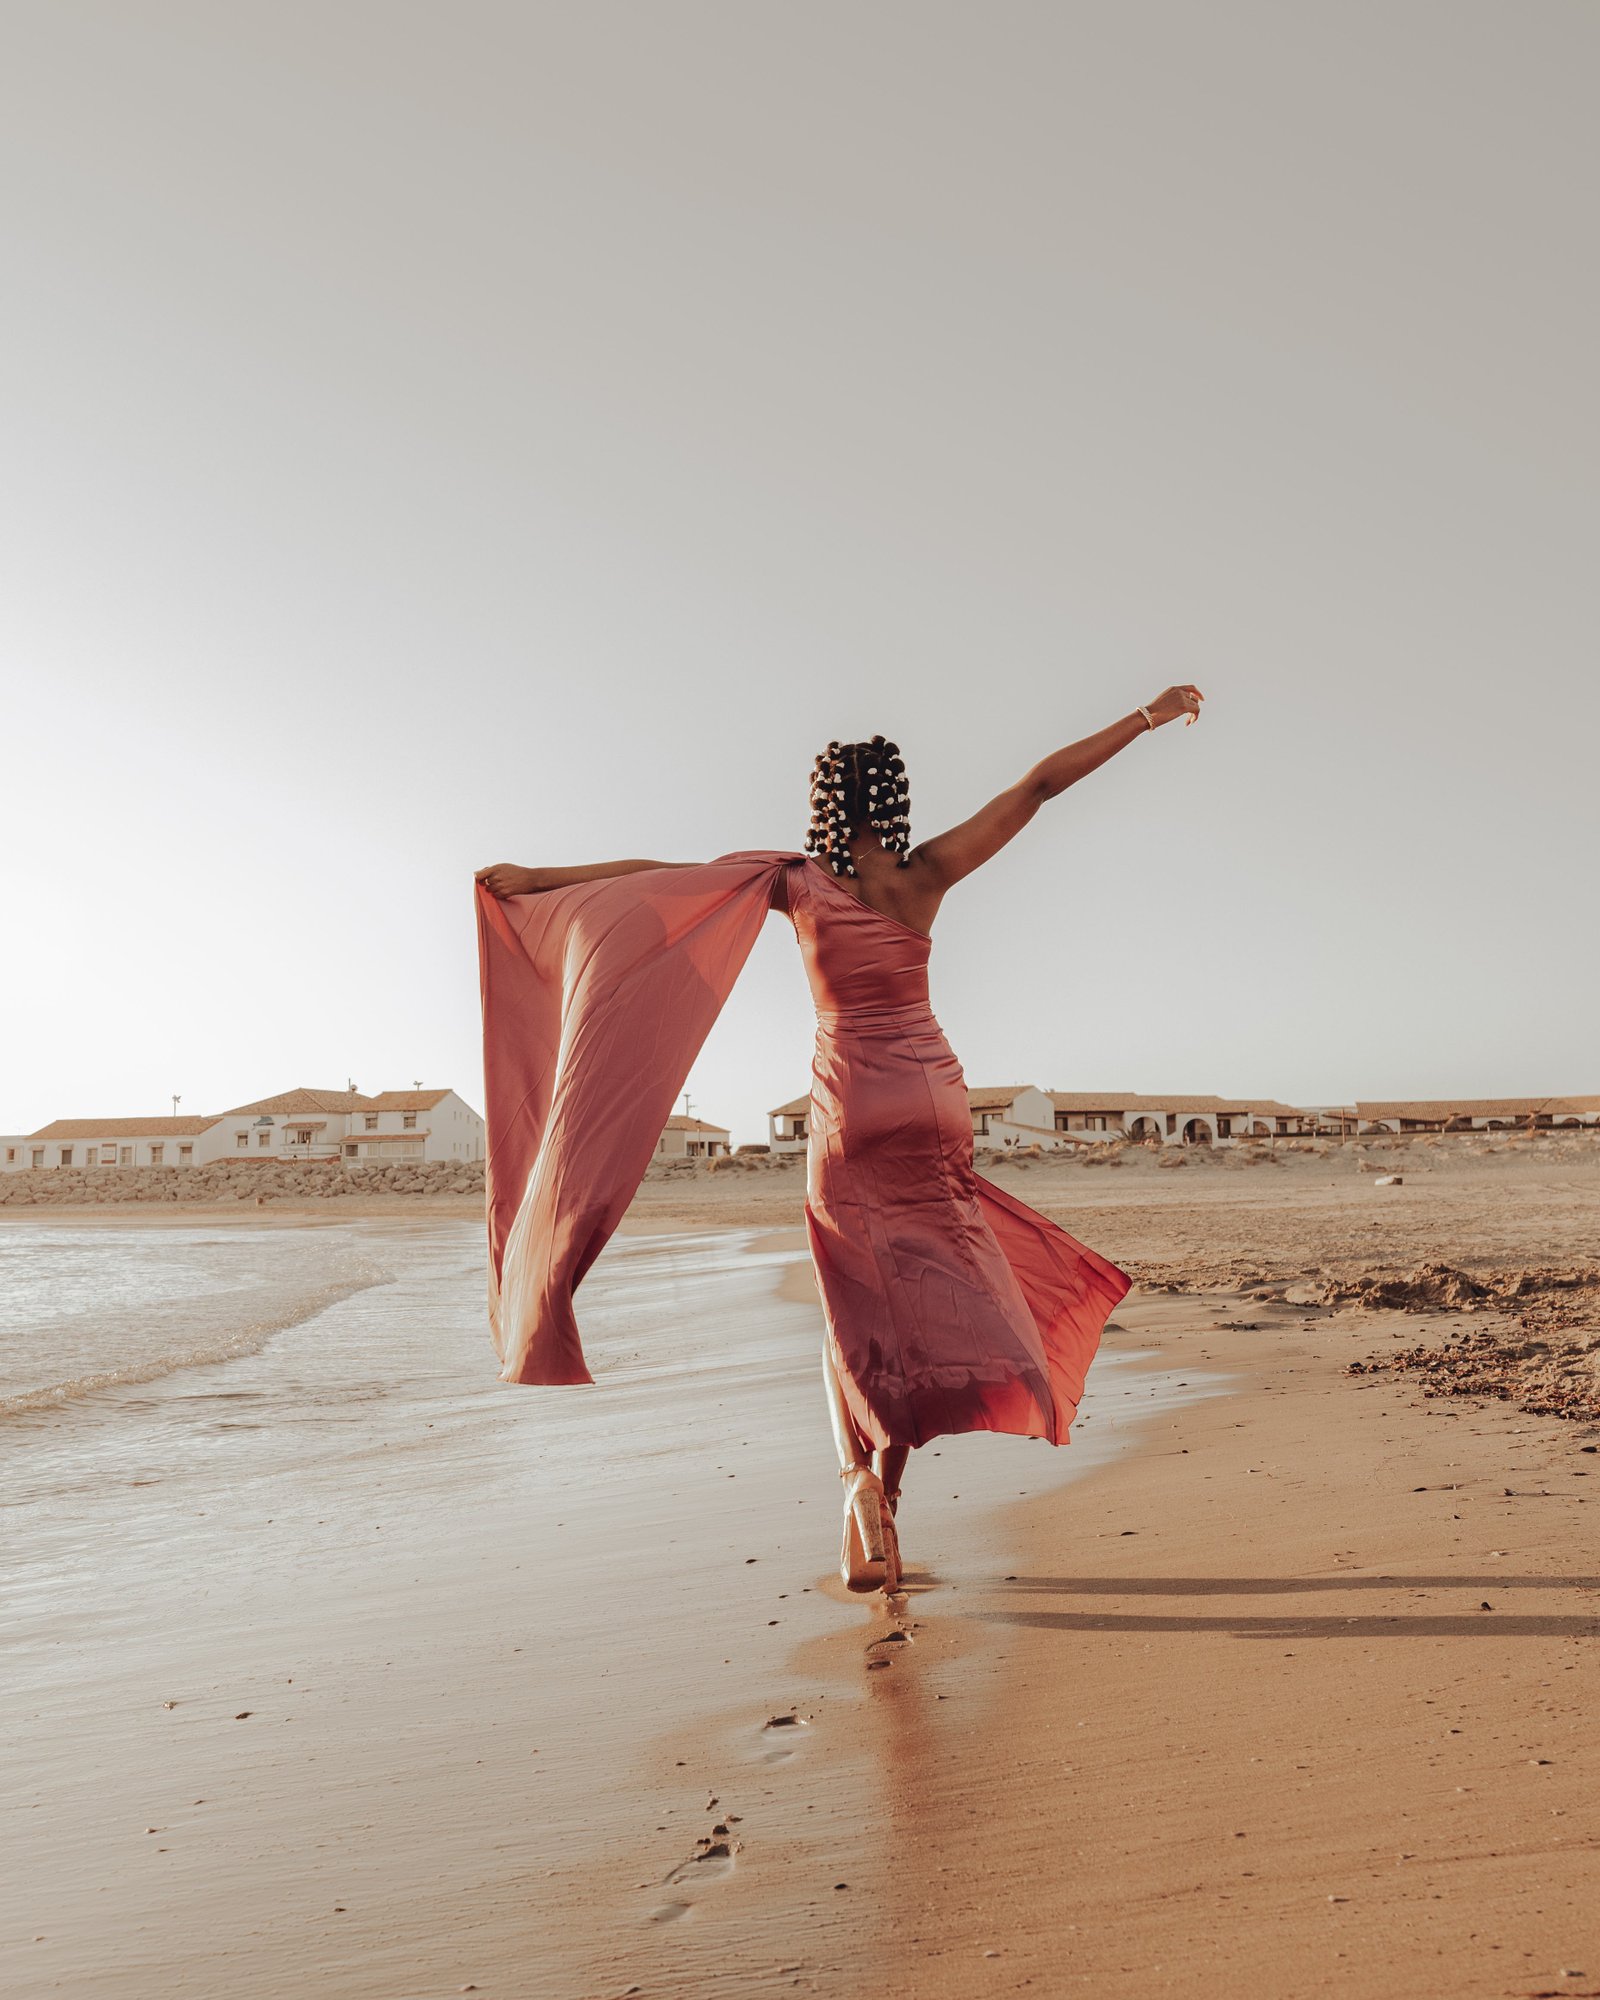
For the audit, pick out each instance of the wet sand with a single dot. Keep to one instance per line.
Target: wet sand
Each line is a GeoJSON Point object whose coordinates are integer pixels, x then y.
{"type": "Point", "coordinates": [477, 1695]}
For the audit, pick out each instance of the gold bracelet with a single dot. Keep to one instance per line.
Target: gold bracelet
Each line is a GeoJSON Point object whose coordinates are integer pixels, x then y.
{"type": "Point", "coordinates": [1150, 721]}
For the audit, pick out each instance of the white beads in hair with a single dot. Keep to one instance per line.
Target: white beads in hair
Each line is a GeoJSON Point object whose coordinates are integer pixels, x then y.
{"type": "Point", "coordinates": [883, 806]}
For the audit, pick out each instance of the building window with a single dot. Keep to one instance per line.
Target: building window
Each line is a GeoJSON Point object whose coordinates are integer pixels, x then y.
{"type": "Point", "coordinates": [38, 1156]}
{"type": "Point", "coordinates": [408, 1121]}
{"type": "Point", "coordinates": [241, 1141]}
{"type": "Point", "coordinates": [263, 1138]}
{"type": "Point", "coordinates": [108, 1156]}
{"type": "Point", "coordinates": [370, 1121]}
{"type": "Point", "coordinates": [351, 1152]}
{"type": "Point", "coordinates": [157, 1155]}
{"type": "Point", "coordinates": [185, 1155]}
{"type": "Point", "coordinates": [300, 1136]}
{"type": "Point", "coordinates": [1224, 1128]}
{"type": "Point", "coordinates": [66, 1156]}
{"type": "Point", "coordinates": [11, 1156]}
{"type": "Point", "coordinates": [124, 1156]}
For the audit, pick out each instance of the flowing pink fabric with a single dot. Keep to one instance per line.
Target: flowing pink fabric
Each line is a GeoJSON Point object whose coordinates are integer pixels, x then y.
{"type": "Point", "coordinates": [951, 1306]}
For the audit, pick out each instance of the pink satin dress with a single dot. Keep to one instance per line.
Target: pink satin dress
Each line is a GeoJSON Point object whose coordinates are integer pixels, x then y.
{"type": "Point", "coordinates": [950, 1305]}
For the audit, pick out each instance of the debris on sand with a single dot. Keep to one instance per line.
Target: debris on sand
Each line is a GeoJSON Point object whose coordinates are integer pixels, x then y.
{"type": "Point", "coordinates": [1546, 1359]}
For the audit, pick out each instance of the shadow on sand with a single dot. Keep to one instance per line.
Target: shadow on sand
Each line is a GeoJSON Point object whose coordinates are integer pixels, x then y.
{"type": "Point", "coordinates": [1481, 1622]}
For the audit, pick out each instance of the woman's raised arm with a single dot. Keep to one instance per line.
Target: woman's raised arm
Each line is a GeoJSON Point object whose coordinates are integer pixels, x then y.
{"type": "Point", "coordinates": [950, 856]}
{"type": "Point", "coordinates": [506, 879]}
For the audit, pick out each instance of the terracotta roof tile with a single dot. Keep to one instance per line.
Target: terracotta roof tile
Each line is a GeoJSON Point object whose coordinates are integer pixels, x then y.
{"type": "Point", "coordinates": [124, 1128]}
{"type": "Point", "coordinates": [1458, 1107]}
{"type": "Point", "coordinates": [287, 1102]}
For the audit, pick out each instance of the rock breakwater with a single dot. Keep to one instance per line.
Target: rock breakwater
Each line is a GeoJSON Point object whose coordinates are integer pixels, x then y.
{"type": "Point", "coordinates": [224, 1183]}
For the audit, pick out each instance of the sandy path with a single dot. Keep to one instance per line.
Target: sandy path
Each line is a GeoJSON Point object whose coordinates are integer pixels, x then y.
{"type": "Point", "coordinates": [1250, 1728]}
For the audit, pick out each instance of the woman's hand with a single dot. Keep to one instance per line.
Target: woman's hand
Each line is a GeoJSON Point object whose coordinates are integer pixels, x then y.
{"type": "Point", "coordinates": [506, 879]}
{"type": "Point", "coordinates": [1176, 701]}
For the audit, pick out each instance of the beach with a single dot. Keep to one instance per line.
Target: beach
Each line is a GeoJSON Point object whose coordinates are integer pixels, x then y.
{"type": "Point", "coordinates": [334, 1666]}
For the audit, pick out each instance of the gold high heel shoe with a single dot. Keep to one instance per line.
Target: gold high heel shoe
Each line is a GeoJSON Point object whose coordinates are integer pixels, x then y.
{"type": "Point", "coordinates": [892, 1495]}
{"type": "Point", "coordinates": [868, 1557]}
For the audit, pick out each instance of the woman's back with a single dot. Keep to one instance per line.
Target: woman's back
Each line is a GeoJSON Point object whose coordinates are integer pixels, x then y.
{"type": "Point", "coordinates": [860, 962]}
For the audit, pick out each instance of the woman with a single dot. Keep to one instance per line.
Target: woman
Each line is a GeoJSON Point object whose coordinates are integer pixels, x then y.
{"type": "Point", "coordinates": [950, 1305]}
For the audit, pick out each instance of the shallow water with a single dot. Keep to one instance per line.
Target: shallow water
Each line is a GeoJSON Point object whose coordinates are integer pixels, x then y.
{"type": "Point", "coordinates": [306, 1608]}
{"type": "Point", "coordinates": [85, 1309]}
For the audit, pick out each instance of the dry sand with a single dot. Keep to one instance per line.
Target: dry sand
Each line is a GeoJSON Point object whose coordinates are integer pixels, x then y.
{"type": "Point", "coordinates": [1291, 1693]}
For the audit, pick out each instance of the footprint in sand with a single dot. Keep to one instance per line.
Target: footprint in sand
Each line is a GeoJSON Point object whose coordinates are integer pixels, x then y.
{"type": "Point", "coordinates": [712, 1858]}
{"type": "Point", "coordinates": [875, 1658]}
{"type": "Point", "coordinates": [785, 1724]}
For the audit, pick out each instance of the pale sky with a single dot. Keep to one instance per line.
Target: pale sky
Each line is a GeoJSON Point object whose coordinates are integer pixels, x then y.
{"type": "Point", "coordinates": [443, 434]}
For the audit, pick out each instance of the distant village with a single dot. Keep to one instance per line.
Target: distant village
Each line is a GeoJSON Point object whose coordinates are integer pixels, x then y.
{"type": "Point", "coordinates": [1012, 1116]}
{"type": "Point", "coordinates": [1006, 1117]}
{"type": "Point", "coordinates": [344, 1125]}
{"type": "Point", "coordinates": [393, 1126]}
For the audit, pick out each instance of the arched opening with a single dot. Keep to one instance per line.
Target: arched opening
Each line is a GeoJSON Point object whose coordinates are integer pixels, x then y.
{"type": "Point", "coordinates": [1197, 1132]}
{"type": "Point", "coordinates": [1143, 1130]}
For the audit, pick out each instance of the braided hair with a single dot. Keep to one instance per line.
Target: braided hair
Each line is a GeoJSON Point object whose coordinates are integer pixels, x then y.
{"type": "Point", "coordinates": [855, 785]}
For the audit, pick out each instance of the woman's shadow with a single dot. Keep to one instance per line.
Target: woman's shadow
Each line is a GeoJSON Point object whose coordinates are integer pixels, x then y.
{"type": "Point", "coordinates": [1489, 1617]}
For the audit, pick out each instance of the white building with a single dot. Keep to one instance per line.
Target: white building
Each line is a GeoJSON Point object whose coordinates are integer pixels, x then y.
{"type": "Point", "coordinates": [1177, 1119]}
{"type": "Point", "coordinates": [295, 1125]}
{"type": "Point", "coordinates": [300, 1124]}
{"type": "Point", "coordinates": [112, 1142]}
{"type": "Point", "coordinates": [787, 1128]}
{"type": "Point", "coordinates": [1015, 1114]}
{"type": "Point", "coordinates": [1476, 1114]}
{"type": "Point", "coordinates": [444, 1125]}
{"type": "Point", "coordinates": [1023, 1115]}
{"type": "Point", "coordinates": [693, 1139]}
{"type": "Point", "coordinates": [347, 1125]}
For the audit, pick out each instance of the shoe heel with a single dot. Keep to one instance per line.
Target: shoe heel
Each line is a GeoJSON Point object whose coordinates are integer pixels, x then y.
{"type": "Point", "coordinates": [869, 1518]}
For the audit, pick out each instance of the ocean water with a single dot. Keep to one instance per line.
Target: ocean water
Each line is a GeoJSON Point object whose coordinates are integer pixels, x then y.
{"type": "Point", "coordinates": [89, 1308]}
{"type": "Point", "coordinates": [149, 1373]}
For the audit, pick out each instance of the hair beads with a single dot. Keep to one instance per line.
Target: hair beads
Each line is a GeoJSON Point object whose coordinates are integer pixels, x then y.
{"type": "Point", "coordinates": [856, 785]}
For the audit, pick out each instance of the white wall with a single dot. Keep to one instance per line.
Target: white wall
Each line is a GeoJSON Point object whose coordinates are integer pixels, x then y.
{"type": "Point", "coordinates": [90, 1152]}
{"type": "Point", "coordinates": [1030, 1120]}
{"type": "Point", "coordinates": [675, 1145]}
{"type": "Point", "coordinates": [786, 1142]}
{"type": "Point", "coordinates": [449, 1130]}
{"type": "Point", "coordinates": [455, 1131]}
